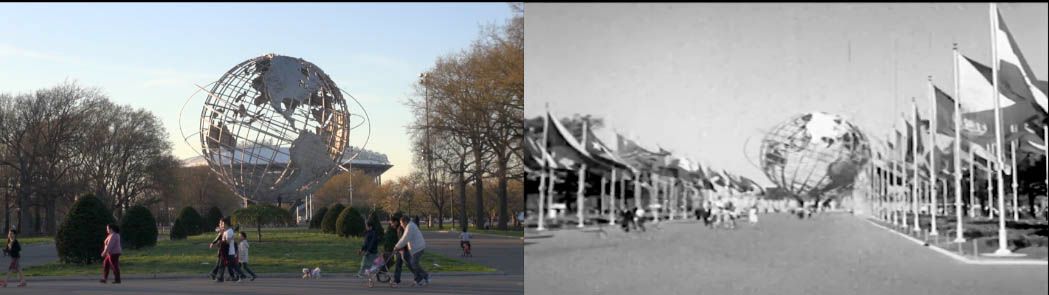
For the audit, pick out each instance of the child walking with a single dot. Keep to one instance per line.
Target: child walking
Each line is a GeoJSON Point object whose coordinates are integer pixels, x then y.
{"type": "Point", "coordinates": [369, 249]}
{"type": "Point", "coordinates": [13, 249]}
{"type": "Point", "coordinates": [111, 254]}
{"type": "Point", "coordinates": [242, 255]}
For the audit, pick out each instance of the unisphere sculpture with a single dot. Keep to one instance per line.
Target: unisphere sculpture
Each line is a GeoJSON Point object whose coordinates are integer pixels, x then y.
{"type": "Point", "coordinates": [814, 154]}
{"type": "Point", "coordinates": [274, 128]}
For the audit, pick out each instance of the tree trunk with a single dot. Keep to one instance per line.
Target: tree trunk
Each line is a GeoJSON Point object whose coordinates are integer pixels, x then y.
{"type": "Point", "coordinates": [258, 230]}
{"type": "Point", "coordinates": [440, 219]}
{"type": "Point", "coordinates": [479, 186]}
{"type": "Point", "coordinates": [37, 226]}
{"type": "Point", "coordinates": [49, 223]}
{"type": "Point", "coordinates": [462, 200]}
{"type": "Point", "coordinates": [23, 217]}
{"type": "Point", "coordinates": [7, 210]}
{"type": "Point", "coordinates": [502, 191]}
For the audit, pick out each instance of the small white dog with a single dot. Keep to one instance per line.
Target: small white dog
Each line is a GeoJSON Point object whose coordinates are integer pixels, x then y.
{"type": "Point", "coordinates": [314, 274]}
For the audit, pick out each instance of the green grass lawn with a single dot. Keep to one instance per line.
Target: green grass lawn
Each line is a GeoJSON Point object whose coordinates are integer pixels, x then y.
{"type": "Point", "coordinates": [35, 240]}
{"type": "Point", "coordinates": [281, 251]}
{"type": "Point", "coordinates": [508, 233]}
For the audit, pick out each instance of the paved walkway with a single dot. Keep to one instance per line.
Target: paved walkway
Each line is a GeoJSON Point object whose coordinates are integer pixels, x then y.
{"type": "Point", "coordinates": [505, 254]}
{"type": "Point", "coordinates": [488, 284]}
{"type": "Point", "coordinates": [829, 254]}
{"type": "Point", "coordinates": [37, 254]}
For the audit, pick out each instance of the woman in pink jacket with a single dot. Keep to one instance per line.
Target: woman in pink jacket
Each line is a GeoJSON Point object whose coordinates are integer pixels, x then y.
{"type": "Point", "coordinates": [111, 254]}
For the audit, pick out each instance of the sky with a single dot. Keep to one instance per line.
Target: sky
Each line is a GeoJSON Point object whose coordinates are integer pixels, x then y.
{"type": "Point", "coordinates": [151, 56]}
{"type": "Point", "coordinates": [706, 81]}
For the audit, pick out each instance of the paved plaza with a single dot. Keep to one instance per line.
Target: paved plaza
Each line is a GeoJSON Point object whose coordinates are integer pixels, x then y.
{"type": "Point", "coordinates": [834, 253]}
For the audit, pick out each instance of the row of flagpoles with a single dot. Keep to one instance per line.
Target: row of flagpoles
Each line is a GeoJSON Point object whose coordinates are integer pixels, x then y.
{"type": "Point", "coordinates": [965, 119]}
{"type": "Point", "coordinates": [672, 182]}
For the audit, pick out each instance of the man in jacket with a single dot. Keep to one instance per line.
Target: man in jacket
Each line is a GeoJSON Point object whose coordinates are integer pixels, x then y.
{"type": "Point", "coordinates": [413, 240]}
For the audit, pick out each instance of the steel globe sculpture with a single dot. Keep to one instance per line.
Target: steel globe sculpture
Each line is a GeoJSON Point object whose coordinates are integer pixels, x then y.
{"type": "Point", "coordinates": [813, 155]}
{"type": "Point", "coordinates": [274, 128]}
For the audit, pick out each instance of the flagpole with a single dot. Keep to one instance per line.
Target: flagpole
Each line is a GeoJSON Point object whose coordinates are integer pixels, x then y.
{"type": "Point", "coordinates": [1003, 248]}
{"type": "Point", "coordinates": [581, 190]}
{"type": "Point", "coordinates": [612, 200]}
{"type": "Point", "coordinates": [543, 175]}
{"type": "Point", "coordinates": [916, 180]}
{"type": "Point", "coordinates": [904, 196]}
{"type": "Point", "coordinates": [959, 237]}
{"type": "Point", "coordinates": [1016, 215]}
{"type": "Point", "coordinates": [972, 184]}
{"type": "Point", "coordinates": [601, 198]}
{"type": "Point", "coordinates": [886, 185]}
{"type": "Point", "coordinates": [990, 189]}
{"type": "Point", "coordinates": [932, 161]}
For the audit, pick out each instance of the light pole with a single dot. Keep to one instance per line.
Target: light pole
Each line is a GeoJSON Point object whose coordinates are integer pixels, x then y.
{"type": "Point", "coordinates": [351, 191]}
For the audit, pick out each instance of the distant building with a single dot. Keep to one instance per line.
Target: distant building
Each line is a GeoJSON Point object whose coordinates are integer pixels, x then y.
{"type": "Point", "coordinates": [370, 163]}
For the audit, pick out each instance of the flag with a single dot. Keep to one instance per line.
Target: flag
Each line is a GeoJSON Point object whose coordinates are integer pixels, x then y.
{"type": "Point", "coordinates": [600, 151]}
{"type": "Point", "coordinates": [637, 156]}
{"type": "Point", "coordinates": [976, 96]}
{"type": "Point", "coordinates": [563, 147]}
{"type": "Point", "coordinates": [944, 112]}
{"type": "Point", "coordinates": [1015, 78]}
{"type": "Point", "coordinates": [717, 178]}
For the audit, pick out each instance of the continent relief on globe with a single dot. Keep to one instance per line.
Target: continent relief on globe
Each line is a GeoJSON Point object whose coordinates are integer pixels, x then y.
{"type": "Point", "coordinates": [309, 164]}
{"type": "Point", "coordinates": [285, 83]}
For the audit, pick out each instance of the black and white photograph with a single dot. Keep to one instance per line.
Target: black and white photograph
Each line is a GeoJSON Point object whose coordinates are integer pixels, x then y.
{"type": "Point", "coordinates": [731, 148]}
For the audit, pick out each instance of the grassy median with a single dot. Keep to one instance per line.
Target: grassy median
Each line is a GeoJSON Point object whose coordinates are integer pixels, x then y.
{"type": "Point", "coordinates": [281, 251]}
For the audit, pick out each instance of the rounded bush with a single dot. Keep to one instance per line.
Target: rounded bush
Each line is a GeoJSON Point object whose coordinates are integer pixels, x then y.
{"type": "Point", "coordinates": [188, 223]}
{"type": "Point", "coordinates": [138, 229]}
{"type": "Point", "coordinates": [211, 219]}
{"type": "Point", "coordinates": [318, 216]}
{"type": "Point", "coordinates": [350, 223]}
{"type": "Point", "coordinates": [328, 224]}
{"type": "Point", "coordinates": [81, 236]}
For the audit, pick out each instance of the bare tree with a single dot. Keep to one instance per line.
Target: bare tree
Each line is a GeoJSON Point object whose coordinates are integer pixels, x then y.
{"type": "Point", "coordinates": [37, 131]}
{"type": "Point", "coordinates": [124, 152]}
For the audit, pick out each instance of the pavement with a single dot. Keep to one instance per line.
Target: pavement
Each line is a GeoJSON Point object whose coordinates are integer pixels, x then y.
{"type": "Point", "coordinates": [833, 253]}
{"type": "Point", "coordinates": [505, 254]}
{"type": "Point", "coordinates": [441, 284]}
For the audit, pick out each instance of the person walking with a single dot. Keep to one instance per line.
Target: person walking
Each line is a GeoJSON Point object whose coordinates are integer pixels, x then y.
{"type": "Point", "coordinates": [111, 254]}
{"type": "Point", "coordinates": [412, 239]}
{"type": "Point", "coordinates": [393, 233]}
{"type": "Point", "coordinates": [227, 251]}
{"type": "Point", "coordinates": [14, 250]}
{"type": "Point", "coordinates": [369, 249]}
{"type": "Point", "coordinates": [639, 218]}
{"type": "Point", "coordinates": [242, 256]}
{"type": "Point", "coordinates": [219, 255]}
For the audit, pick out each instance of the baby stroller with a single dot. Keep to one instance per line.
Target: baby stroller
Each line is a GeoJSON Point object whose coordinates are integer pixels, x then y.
{"type": "Point", "coordinates": [379, 271]}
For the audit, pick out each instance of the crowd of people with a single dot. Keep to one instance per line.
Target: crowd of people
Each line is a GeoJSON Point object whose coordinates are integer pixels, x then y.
{"type": "Point", "coordinates": [719, 212]}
